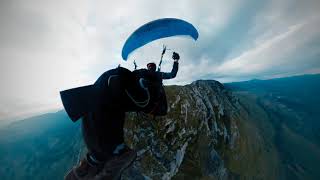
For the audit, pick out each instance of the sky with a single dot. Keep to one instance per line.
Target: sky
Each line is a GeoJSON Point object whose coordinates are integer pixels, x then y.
{"type": "Point", "coordinates": [49, 46]}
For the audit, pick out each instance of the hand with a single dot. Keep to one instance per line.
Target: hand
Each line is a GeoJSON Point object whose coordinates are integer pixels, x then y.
{"type": "Point", "coordinates": [175, 56]}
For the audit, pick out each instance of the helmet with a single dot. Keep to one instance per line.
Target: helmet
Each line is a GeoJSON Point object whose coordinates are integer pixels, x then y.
{"type": "Point", "coordinates": [151, 66]}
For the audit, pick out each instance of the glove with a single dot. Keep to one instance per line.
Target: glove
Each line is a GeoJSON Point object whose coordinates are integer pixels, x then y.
{"type": "Point", "coordinates": [175, 56]}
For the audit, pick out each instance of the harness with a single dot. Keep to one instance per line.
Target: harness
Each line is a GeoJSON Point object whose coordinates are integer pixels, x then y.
{"type": "Point", "coordinates": [141, 104]}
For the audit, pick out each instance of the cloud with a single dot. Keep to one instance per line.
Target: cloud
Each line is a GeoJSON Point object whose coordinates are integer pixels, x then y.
{"type": "Point", "coordinates": [280, 45]}
{"type": "Point", "coordinates": [42, 50]}
{"type": "Point", "coordinates": [48, 46]}
{"type": "Point", "coordinates": [268, 41]}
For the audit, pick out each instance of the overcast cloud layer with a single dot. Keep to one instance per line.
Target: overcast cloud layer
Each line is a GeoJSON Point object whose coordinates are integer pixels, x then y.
{"type": "Point", "coordinates": [48, 46]}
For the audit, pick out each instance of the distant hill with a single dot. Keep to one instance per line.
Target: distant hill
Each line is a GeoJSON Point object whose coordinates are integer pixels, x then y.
{"type": "Point", "coordinates": [41, 147]}
{"type": "Point", "coordinates": [297, 89]}
{"type": "Point", "coordinates": [299, 95]}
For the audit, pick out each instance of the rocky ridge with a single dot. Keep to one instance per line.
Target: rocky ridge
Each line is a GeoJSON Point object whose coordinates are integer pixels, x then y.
{"type": "Point", "coordinates": [201, 120]}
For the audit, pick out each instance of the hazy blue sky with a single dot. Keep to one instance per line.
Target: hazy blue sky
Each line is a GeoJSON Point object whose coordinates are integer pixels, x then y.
{"type": "Point", "coordinates": [48, 46]}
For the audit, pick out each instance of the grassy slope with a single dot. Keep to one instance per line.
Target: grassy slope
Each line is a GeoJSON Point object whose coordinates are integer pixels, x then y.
{"type": "Point", "coordinates": [256, 156]}
{"type": "Point", "coordinates": [291, 121]}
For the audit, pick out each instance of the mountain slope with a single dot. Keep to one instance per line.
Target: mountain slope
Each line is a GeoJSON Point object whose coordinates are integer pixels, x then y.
{"type": "Point", "coordinates": [206, 135]}
{"type": "Point", "coordinates": [291, 105]}
{"type": "Point", "coordinates": [42, 147]}
{"type": "Point", "coordinates": [248, 130]}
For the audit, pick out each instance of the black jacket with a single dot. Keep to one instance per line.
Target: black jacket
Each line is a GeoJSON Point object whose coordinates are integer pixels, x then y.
{"type": "Point", "coordinates": [158, 102]}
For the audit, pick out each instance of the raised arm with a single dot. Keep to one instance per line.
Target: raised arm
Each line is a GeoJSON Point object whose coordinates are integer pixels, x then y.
{"type": "Point", "coordinates": [173, 73]}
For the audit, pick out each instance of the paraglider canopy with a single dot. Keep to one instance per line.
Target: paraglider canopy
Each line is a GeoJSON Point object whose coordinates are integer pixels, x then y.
{"type": "Point", "coordinates": [157, 29]}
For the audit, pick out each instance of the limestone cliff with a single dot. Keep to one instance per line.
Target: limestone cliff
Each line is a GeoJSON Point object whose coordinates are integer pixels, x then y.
{"type": "Point", "coordinates": [190, 142]}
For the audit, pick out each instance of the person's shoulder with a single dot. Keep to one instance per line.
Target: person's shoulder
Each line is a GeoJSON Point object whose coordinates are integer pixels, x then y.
{"type": "Point", "coordinates": [140, 70]}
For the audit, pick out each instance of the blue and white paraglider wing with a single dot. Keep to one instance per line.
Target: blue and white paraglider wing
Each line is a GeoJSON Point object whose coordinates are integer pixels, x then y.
{"type": "Point", "coordinates": [157, 29]}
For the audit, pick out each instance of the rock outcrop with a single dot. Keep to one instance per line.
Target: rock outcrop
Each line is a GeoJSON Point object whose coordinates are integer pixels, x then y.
{"type": "Point", "coordinates": [202, 122]}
